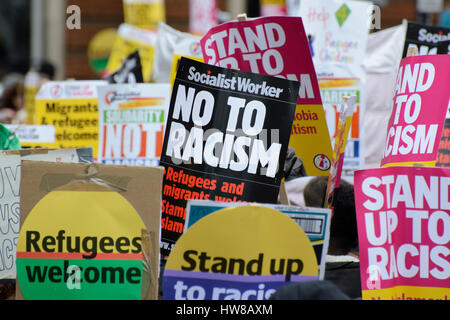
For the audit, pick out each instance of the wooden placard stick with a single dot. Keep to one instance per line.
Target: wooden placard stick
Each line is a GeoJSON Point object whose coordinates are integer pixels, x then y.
{"type": "Point", "coordinates": [242, 17]}
{"type": "Point", "coordinates": [412, 51]}
{"type": "Point", "coordinates": [283, 195]}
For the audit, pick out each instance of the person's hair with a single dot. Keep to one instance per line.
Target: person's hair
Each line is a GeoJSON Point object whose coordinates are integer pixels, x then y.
{"type": "Point", "coordinates": [9, 94]}
{"type": "Point", "coordinates": [7, 291]}
{"type": "Point", "coordinates": [315, 189]}
{"type": "Point", "coordinates": [47, 69]}
{"type": "Point", "coordinates": [314, 192]}
{"type": "Point", "coordinates": [309, 290]}
{"type": "Point", "coordinates": [343, 227]}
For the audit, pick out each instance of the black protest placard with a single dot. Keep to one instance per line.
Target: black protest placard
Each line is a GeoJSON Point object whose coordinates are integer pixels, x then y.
{"type": "Point", "coordinates": [427, 39]}
{"type": "Point", "coordinates": [226, 139]}
{"type": "Point", "coordinates": [130, 71]}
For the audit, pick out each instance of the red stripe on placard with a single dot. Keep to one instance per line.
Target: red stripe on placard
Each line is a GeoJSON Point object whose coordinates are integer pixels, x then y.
{"type": "Point", "coordinates": [79, 255]}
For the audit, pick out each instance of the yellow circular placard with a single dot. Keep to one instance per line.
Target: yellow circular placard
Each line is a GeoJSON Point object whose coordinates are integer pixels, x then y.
{"type": "Point", "coordinates": [99, 49]}
{"type": "Point", "coordinates": [239, 253]}
{"type": "Point", "coordinates": [81, 245]}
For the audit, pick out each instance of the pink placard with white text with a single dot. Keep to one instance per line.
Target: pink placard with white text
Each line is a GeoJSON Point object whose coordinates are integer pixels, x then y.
{"type": "Point", "coordinates": [275, 46]}
{"type": "Point", "coordinates": [403, 216]}
{"type": "Point", "coordinates": [420, 103]}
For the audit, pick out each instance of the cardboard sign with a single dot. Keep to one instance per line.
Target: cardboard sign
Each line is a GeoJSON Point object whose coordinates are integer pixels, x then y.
{"type": "Point", "coordinates": [315, 222]}
{"type": "Point", "coordinates": [404, 232]}
{"type": "Point", "coordinates": [419, 110]}
{"type": "Point", "coordinates": [81, 245]}
{"type": "Point", "coordinates": [132, 119]}
{"type": "Point", "coordinates": [427, 39]}
{"type": "Point", "coordinates": [70, 106]}
{"type": "Point", "coordinates": [251, 251]}
{"type": "Point", "coordinates": [226, 139]}
{"type": "Point", "coordinates": [129, 39]}
{"type": "Point", "coordinates": [202, 16]}
{"type": "Point", "coordinates": [33, 136]}
{"type": "Point", "coordinates": [337, 33]}
{"type": "Point", "coordinates": [144, 13]}
{"type": "Point", "coordinates": [10, 175]}
{"type": "Point", "coordinates": [278, 46]}
{"type": "Point", "coordinates": [113, 251]}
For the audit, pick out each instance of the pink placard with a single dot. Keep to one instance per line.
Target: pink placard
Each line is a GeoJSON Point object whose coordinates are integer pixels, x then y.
{"type": "Point", "coordinates": [403, 227]}
{"type": "Point", "coordinates": [421, 99]}
{"type": "Point", "coordinates": [275, 46]}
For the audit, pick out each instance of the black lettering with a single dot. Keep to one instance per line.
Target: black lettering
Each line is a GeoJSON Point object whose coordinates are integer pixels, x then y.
{"type": "Point", "coordinates": [137, 245]}
{"type": "Point", "coordinates": [241, 264]}
{"type": "Point", "coordinates": [203, 257]}
{"type": "Point", "coordinates": [60, 237]}
{"type": "Point", "coordinates": [221, 266]}
{"type": "Point", "coordinates": [89, 246]}
{"type": "Point", "coordinates": [87, 274]}
{"type": "Point", "coordinates": [77, 244]}
{"type": "Point", "coordinates": [134, 273]}
{"type": "Point", "coordinates": [32, 239]}
{"type": "Point", "coordinates": [50, 107]}
{"type": "Point", "coordinates": [280, 267]}
{"type": "Point", "coordinates": [123, 242]}
{"type": "Point", "coordinates": [54, 272]}
{"type": "Point", "coordinates": [92, 248]}
{"type": "Point", "coordinates": [112, 272]}
{"type": "Point", "coordinates": [65, 268]}
{"type": "Point", "coordinates": [189, 260]}
{"type": "Point", "coordinates": [48, 241]}
{"type": "Point", "coordinates": [258, 262]}
{"type": "Point", "coordinates": [290, 270]}
{"type": "Point", "coordinates": [36, 273]}
{"type": "Point", "coordinates": [106, 242]}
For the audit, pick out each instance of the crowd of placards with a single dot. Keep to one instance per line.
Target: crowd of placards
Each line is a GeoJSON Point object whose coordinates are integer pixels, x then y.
{"type": "Point", "coordinates": [233, 163]}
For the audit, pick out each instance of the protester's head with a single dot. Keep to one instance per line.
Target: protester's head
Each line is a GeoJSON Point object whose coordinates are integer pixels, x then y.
{"type": "Point", "coordinates": [309, 290]}
{"type": "Point", "coordinates": [315, 189]}
{"type": "Point", "coordinates": [46, 70]}
{"type": "Point", "coordinates": [12, 98]}
{"type": "Point", "coordinates": [7, 291]}
{"type": "Point", "coordinates": [314, 192]}
{"type": "Point", "coordinates": [343, 227]}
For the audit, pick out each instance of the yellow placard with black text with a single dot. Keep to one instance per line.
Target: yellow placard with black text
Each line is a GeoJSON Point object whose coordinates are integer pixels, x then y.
{"type": "Point", "coordinates": [72, 108]}
{"type": "Point", "coordinates": [251, 251]}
